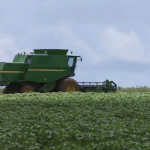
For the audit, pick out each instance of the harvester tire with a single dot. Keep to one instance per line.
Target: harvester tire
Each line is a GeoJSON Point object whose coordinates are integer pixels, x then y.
{"type": "Point", "coordinates": [11, 89]}
{"type": "Point", "coordinates": [68, 85]}
{"type": "Point", "coordinates": [26, 89]}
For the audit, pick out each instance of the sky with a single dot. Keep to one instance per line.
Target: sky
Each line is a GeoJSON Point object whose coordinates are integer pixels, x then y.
{"type": "Point", "coordinates": [112, 36]}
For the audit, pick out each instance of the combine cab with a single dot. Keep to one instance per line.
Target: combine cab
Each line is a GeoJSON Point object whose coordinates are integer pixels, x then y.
{"type": "Point", "coordinates": [46, 70]}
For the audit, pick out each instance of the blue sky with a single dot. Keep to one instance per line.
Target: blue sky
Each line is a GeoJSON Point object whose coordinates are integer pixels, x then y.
{"type": "Point", "coordinates": [112, 36]}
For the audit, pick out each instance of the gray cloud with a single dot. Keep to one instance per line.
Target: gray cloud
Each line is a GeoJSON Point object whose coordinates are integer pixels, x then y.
{"type": "Point", "coordinates": [112, 36]}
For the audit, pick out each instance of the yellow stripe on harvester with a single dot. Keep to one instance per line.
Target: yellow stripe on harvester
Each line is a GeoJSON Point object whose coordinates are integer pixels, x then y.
{"type": "Point", "coordinates": [45, 70]}
{"type": "Point", "coordinates": [11, 71]}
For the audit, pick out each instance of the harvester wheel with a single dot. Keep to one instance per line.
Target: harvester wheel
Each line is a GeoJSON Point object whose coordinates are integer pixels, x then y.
{"type": "Point", "coordinates": [68, 85]}
{"type": "Point", "coordinates": [26, 89]}
{"type": "Point", "coordinates": [11, 89]}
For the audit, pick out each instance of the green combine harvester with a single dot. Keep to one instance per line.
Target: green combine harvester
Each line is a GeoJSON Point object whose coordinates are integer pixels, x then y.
{"type": "Point", "coordinates": [46, 70]}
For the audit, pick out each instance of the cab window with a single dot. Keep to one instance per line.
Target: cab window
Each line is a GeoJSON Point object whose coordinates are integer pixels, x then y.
{"type": "Point", "coordinates": [71, 61]}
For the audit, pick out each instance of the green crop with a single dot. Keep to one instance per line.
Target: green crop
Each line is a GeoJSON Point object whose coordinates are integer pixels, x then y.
{"type": "Point", "coordinates": [81, 121]}
{"type": "Point", "coordinates": [134, 89]}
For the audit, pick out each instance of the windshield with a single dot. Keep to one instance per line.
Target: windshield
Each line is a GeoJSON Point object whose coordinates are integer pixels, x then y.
{"type": "Point", "coordinates": [71, 61]}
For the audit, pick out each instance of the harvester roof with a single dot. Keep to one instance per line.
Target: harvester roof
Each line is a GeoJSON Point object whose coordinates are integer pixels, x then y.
{"type": "Point", "coordinates": [73, 55]}
{"type": "Point", "coordinates": [54, 52]}
{"type": "Point", "coordinates": [51, 51]}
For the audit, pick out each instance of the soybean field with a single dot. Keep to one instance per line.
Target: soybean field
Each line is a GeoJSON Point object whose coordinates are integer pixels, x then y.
{"type": "Point", "coordinates": [78, 121]}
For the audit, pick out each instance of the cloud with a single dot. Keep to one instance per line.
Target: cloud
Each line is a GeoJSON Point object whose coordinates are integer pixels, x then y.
{"type": "Point", "coordinates": [8, 47]}
{"type": "Point", "coordinates": [77, 42]}
{"type": "Point", "coordinates": [124, 46]}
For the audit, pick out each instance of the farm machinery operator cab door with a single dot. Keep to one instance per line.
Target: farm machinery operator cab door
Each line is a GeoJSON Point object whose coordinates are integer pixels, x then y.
{"type": "Point", "coordinates": [72, 61]}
